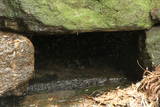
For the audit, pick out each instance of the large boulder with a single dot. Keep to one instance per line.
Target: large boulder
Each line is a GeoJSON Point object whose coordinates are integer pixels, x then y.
{"type": "Point", "coordinates": [66, 16]}
{"type": "Point", "coordinates": [16, 63]}
{"type": "Point", "coordinates": [150, 48]}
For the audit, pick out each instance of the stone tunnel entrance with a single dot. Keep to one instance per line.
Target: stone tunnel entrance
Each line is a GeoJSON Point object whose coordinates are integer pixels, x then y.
{"type": "Point", "coordinates": [80, 64]}
{"type": "Point", "coordinates": [86, 55]}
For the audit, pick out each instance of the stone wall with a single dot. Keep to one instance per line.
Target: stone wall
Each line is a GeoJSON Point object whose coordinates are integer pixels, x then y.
{"type": "Point", "coordinates": [64, 17]}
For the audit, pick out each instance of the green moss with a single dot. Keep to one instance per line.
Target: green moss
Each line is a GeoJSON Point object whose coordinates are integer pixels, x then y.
{"type": "Point", "coordinates": [155, 3]}
{"type": "Point", "coordinates": [5, 10]}
{"type": "Point", "coordinates": [88, 14]}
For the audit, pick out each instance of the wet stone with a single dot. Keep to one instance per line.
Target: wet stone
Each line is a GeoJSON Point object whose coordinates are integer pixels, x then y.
{"type": "Point", "coordinates": [16, 63]}
{"type": "Point", "coordinates": [73, 84]}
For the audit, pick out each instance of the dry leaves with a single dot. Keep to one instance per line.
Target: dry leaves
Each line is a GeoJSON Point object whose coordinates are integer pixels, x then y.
{"type": "Point", "coordinates": [145, 93]}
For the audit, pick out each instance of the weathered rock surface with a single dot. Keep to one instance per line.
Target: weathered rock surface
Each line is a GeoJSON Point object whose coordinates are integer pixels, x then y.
{"type": "Point", "coordinates": [150, 48]}
{"type": "Point", "coordinates": [62, 16]}
{"type": "Point", "coordinates": [155, 13]}
{"type": "Point", "coordinates": [16, 63]}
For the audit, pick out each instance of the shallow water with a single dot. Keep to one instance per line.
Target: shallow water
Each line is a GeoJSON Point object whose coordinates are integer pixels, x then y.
{"type": "Point", "coordinates": [63, 85]}
{"type": "Point", "coordinates": [64, 97]}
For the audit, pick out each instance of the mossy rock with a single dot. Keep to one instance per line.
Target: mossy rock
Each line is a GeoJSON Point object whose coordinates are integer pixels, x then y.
{"type": "Point", "coordinates": [61, 16]}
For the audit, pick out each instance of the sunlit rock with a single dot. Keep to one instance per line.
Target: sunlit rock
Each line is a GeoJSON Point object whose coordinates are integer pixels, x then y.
{"type": "Point", "coordinates": [16, 63]}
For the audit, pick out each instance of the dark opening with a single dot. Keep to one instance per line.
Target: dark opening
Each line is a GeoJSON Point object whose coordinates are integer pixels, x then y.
{"type": "Point", "coordinates": [86, 55]}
